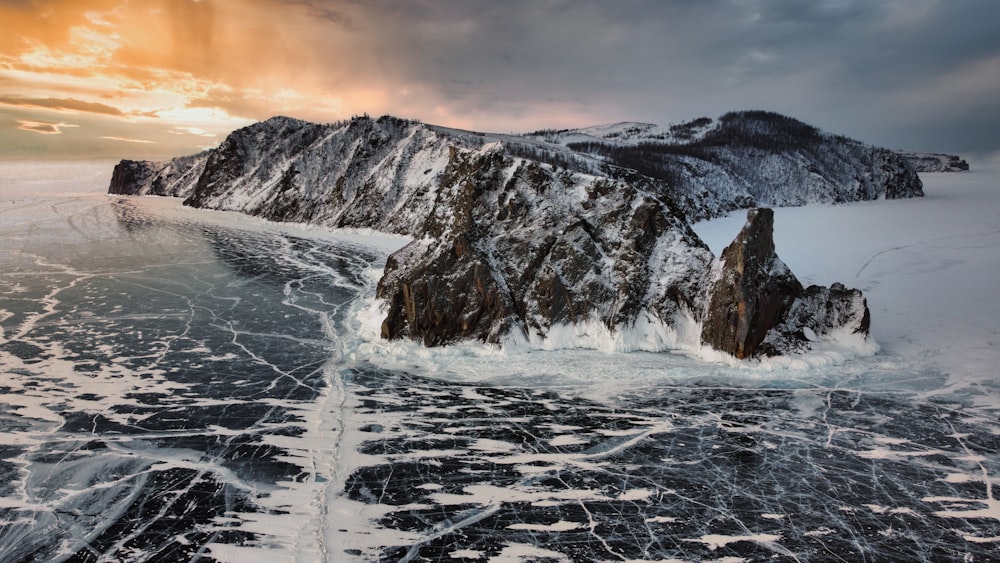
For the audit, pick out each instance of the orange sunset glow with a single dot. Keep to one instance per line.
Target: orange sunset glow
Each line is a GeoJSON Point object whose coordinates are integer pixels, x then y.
{"type": "Point", "coordinates": [144, 78]}
{"type": "Point", "coordinates": [170, 76]}
{"type": "Point", "coordinates": [165, 74]}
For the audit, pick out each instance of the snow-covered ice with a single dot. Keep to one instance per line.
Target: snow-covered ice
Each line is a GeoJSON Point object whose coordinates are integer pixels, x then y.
{"type": "Point", "coordinates": [927, 266]}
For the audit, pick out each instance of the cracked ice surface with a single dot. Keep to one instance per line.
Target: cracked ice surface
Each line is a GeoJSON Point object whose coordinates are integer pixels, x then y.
{"type": "Point", "coordinates": [182, 385]}
{"type": "Point", "coordinates": [162, 378]}
{"type": "Point", "coordinates": [691, 473]}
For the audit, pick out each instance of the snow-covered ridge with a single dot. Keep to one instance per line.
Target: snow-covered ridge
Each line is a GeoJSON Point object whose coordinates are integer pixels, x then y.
{"type": "Point", "coordinates": [746, 159]}
{"type": "Point", "coordinates": [518, 235]}
{"type": "Point", "coordinates": [934, 162]}
{"type": "Point", "coordinates": [629, 133]}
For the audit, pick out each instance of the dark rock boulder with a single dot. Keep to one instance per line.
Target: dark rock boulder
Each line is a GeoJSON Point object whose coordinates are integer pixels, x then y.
{"type": "Point", "coordinates": [450, 294]}
{"type": "Point", "coordinates": [129, 176]}
{"type": "Point", "coordinates": [515, 247]}
{"type": "Point", "coordinates": [816, 313]}
{"type": "Point", "coordinates": [757, 307]}
{"type": "Point", "coordinates": [445, 286]}
{"type": "Point", "coordinates": [753, 291]}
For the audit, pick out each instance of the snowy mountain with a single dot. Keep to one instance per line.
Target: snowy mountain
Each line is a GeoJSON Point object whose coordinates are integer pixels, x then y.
{"type": "Point", "coordinates": [747, 159]}
{"type": "Point", "coordinates": [520, 236]}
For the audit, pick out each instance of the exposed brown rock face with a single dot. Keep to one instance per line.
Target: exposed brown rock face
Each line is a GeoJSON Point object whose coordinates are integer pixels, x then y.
{"type": "Point", "coordinates": [128, 176]}
{"type": "Point", "coordinates": [757, 306]}
{"type": "Point", "coordinates": [753, 292]}
{"type": "Point", "coordinates": [505, 250]}
{"type": "Point", "coordinates": [470, 302]}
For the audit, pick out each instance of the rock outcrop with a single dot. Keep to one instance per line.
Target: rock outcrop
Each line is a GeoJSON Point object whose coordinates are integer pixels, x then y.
{"type": "Point", "coordinates": [934, 162]}
{"type": "Point", "coordinates": [174, 178]}
{"type": "Point", "coordinates": [515, 246]}
{"type": "Point", "coordinates": [130, 177]}
{"type": "Point", "coordinates": [753, 291]}
{"type": "Point", "coordinates": [516, 235]}
{"type": "Point", "coordinates": [814, 315]}
{"type": "Point", "coordinates": [756, 306]}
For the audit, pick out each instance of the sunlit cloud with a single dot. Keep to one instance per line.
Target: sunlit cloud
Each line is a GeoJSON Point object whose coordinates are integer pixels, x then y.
{"type": "Point", "coordinates": [70, 105]}
{"type": "Point", "coordinates": [127, 139]}
{"type": "Point", "coordinates": [198, 131]}
{"type": "Point", "coordinates": [193, 114]}
{"type": "Point", "coordinates": [87, 48]}
{"type": "Point", "coordinates": [167, 68]}
{"type": "Point", "coordinates": [43, 127]}
{"type": "Point", "coordinates": [99, 18]}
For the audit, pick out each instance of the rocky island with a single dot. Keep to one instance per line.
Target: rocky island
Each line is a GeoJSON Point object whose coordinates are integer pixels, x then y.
{"type": "Point", "coordinates": [513, 235]}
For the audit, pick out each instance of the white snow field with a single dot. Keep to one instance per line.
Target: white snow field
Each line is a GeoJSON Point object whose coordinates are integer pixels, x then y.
{"type": "Point", "coordinates": [929, 268]}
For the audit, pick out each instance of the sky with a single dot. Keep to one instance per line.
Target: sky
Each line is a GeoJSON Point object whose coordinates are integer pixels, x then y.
{"type": "Point", "coordinates": [161, 78]}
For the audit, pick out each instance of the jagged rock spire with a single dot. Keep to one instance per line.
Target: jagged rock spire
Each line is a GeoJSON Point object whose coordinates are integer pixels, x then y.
{"type": "Point", "coordinates": [752, 292]}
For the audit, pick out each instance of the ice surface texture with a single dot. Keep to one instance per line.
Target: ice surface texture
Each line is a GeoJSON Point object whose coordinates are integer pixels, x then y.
{"type": "Point", "coordinates": [682, 474]}
{"type": "Point", "coordinates": [181, 384]}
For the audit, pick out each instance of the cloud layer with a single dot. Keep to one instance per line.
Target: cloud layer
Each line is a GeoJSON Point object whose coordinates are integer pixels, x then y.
{"type": "Point", "coordinates": [921, 74]}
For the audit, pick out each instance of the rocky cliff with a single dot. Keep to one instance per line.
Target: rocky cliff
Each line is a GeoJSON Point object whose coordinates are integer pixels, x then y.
{"type": "Point", "coordinates": [752, 292]}
{"type": "Point", "coordinates": [514, 235]}
{"type": "Point", "coordinates": [515, 246]}
{"type": "Point", "coordinates": [934, 162]}
{"type": "Point", "coordinates": [757, 306]}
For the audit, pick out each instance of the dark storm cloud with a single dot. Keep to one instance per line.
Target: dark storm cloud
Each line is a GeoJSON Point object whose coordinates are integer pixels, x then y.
{"type": "Point", "coordinates": [863, 68]}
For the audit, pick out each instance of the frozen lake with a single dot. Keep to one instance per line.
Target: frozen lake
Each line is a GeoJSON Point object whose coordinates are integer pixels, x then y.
{"type": "Point", "coordinates": [182, 385]}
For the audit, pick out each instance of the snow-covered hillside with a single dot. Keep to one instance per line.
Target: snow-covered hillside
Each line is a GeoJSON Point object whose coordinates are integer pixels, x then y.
{"type": "Point", "coordinates": [516, 236]}
{"type": "Point", "coordinates": [747, 159]}
{"type": "Point", "coordinates": [628, 133]}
